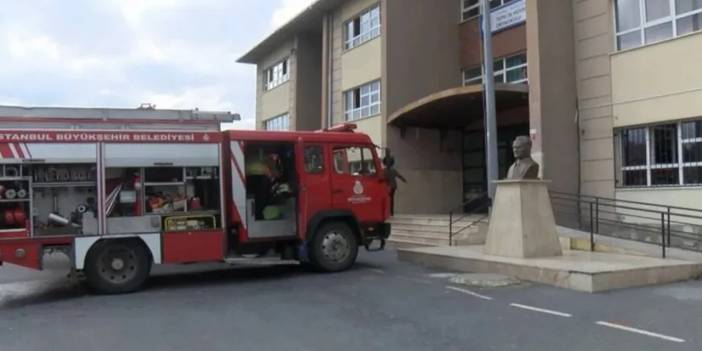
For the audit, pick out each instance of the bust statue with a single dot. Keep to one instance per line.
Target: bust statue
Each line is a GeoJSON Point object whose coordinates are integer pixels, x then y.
{"type": "Point", "coordinates": [524, 167]}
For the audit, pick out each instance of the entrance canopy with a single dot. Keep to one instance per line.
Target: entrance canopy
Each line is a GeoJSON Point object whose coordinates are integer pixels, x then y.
{"type": "Point", "coordinates": [460, 107]}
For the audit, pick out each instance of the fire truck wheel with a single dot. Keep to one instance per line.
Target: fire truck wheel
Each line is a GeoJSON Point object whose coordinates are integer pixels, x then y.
{"type": "Point", "coordinates": [117, 266]}
{"type": "Point", "coordinates": [334, 247]}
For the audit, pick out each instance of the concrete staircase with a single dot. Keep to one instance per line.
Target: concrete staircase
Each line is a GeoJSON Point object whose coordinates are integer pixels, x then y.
{"type": "Point", "coordinates": [433, 230]}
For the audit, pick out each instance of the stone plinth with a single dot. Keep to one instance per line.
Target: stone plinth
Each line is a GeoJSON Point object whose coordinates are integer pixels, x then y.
{"type": "Point", "coordinates": [522, 223]}
{"type": "Point", "coordinates": [577, 270]}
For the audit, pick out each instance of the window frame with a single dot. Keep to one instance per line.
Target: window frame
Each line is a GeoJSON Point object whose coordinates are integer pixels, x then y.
{"type": "Point", "coordinates": [371, 161]}
{"type": "Point", "coordinates": [276, 74]}
{"type": "Point", "coordinates": [469, 8]}
{"type": "Point", "coordinates": [323, 162]}
{"type": "Point", "coordinates": [283, 120]}
{"type": "Point", "coordinates": [357, 113]}
{"type": "Point", "coordinates": [372, 32]}
{"type": "Point", "coordinates": [499, 72]}
{"type": "Point", "coordinates": [680, 164]}
{"type": "Point", "coordinates": [673, 17]}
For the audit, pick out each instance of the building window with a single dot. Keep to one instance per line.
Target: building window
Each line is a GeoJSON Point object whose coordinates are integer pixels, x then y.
{"type": "Point", "coordinates": [363, 101]}
{"type": "Point", "coordinates": [277, 74]}
{"type": "Point", "coordinates": [512, 69]}
{"type": "Point", "coordinates": [471, 8]}
{"type": "Point", "coordinates": [660, 155]}
{"type": "Point", "coordinates": [363, 28]}
{"type": "Point", "coordinates": [641, 22]}
{"type": "Point", "coordinates": [281, 122]}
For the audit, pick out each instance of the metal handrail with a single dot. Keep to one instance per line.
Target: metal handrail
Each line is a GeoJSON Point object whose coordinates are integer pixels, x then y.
{"type": "Point", "coordinates": [609, 217]}
{"type": "Point", "coordinates": [485, 202]}
{"type": "Point", "coordinates": [653, 218]}
{"type": "Point", "coordinates": [599, 198]}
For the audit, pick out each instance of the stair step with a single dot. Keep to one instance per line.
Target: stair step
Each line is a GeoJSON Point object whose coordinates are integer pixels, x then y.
{"type": "Point", "coordinates": [405, 245]}
{"type": "Point", "coordinates": [434, 234]}
{"type": "Point", "coordinates": [434, 221]}
{"type": "Point", "coordinates": [437, 229]}
{"type": "Point", "coordinates": [411, 242]}
{"type": "Point", "coordinates": [420, 237]}
{"type": "Point", "coordinates": [421, 233]}
{"type": "Point", "coordinates": [421, 228]}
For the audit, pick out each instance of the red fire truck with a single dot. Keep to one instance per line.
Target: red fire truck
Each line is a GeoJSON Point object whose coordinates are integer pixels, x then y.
{"type": "Point", "coordinates": [120, 190]}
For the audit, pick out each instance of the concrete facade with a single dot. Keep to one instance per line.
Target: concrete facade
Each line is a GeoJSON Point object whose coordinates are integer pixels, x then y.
{"type": "Point", "coordinates": [594, 42]}
{"type": "Point", "coordinates": [308, 82]}
{"type": "Point", "coordinates": [424, 155]}
{"type": "Point", "coordinates": [642, 86]}
{"type": "Point", "coordinates": [552, 92]}
{"type": "Point", "coordinates": [276, 101]}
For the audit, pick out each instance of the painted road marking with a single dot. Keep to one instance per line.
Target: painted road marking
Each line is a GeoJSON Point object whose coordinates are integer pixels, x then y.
{"type": "Point", "coordinates": [414, 280]}
{"type": "Point", "coordinates": [468, 292]}
{"type": "Point", "coordinates": [442, 275]}
{"type": "Point", "coordinates": [640, 331]}
{"type": "Point", "coordinates": [542, 310]}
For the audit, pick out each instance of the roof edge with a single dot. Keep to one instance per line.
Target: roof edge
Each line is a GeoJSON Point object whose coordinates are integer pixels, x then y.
{"type": "Point", "coordinates": [251, 57]}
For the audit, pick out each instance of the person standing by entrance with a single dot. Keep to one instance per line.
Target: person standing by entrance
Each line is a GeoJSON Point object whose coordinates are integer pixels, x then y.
{"type": "Point", "coordinates": [391, 176]}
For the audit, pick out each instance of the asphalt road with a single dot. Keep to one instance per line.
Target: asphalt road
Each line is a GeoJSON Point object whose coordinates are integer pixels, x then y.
{"type": "Point", "coordinates": [381, 304]}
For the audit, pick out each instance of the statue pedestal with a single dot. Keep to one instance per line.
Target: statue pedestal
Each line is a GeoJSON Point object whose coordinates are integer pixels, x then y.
{"type": "Point", "coordinates": [522, 223]}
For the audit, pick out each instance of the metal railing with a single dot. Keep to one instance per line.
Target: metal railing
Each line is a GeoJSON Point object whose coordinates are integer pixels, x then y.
{"type": "Point", "coordinates": [668, 226]}
{"type": "Point", "coordinates": [475, 205]}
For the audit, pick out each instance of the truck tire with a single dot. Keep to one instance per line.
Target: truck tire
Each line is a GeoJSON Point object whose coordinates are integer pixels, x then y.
{"type": "Point", "coordinates": [334, 247]}
{"type": "Point", "coordinates": [117, 266]}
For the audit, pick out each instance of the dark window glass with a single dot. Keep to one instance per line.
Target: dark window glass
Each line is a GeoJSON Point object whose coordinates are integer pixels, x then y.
{"type": "Point", "coordinates": [690, 24]}
{"type": "Point", "coordinates": [516, 60]}
{"type": "Point", "coordinates": [629, 40]}
{"type": "Point", "coordinates": [665, 176]}
{"type": "Point", "coordinates": [664, 151]}
{"type": "Point", "coordinates": [353, 161]}
{"type": "Point", "coordinates": [163, 174]}
{"type": "Point", "coordinates": [314, 159]}
{"type": "Point", "coordinates": [628, 14]}
{"type": "Point", "coordinates": [682, 6]}
{"type": "Point", "coordinates": [658, 32]}
{"type": "Point", "coordinates": [693, 175]}
{"type": "Point", "coordinates": [692, 152]}
{"type": "Point", "coordinates": [656, 9]}
{"type": "Point", "coordinates": [664, 144]}
{"type": "Point", "coordinates": [634, 155]}
{"type": "Point", "coordinates": [634, 147]}
{"type": "Point", "coordinates": [692, 130]}
{"type": "Point", "coordinates": [635, 178]}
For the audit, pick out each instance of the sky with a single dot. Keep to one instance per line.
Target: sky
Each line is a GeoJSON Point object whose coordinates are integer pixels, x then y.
{"type": "Point", "coordinates": [178, 54]}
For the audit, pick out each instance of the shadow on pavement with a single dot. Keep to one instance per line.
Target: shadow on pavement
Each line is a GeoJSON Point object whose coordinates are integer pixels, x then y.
{"type": "Point", "coordinates": [22, 294]}
{"type": "Point", "coordinates": [61, 288]}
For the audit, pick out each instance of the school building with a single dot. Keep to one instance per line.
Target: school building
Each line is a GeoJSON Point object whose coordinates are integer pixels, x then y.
{"type": "Point", "coordinates": [610, 91]}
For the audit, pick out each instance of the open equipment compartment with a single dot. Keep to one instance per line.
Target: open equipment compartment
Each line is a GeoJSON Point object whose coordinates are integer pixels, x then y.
{"type": "Point", "coordinates": [15, 201]}
{"type": "Point", "coordinates": [63, 194]}
{"type": "Point", "coordinates": [162, 188]}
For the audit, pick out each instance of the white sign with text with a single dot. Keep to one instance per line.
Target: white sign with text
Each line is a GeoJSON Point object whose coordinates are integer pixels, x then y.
{"type": "Point", "coordinates": [508, 15]}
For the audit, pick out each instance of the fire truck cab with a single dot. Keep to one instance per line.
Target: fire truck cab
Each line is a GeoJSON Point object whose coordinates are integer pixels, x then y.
{"type": "Point", "coordinates": [121, 190]}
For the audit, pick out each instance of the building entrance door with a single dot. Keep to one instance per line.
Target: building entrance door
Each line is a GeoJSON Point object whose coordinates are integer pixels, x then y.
{"type": "Point", "coordinates": [474, 163]}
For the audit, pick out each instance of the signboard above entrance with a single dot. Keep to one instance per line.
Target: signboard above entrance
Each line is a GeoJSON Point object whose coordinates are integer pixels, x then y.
{"type": "Point", "coordinates": [509, 15]}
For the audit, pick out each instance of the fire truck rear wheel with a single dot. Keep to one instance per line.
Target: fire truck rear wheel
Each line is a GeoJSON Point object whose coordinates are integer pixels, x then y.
{"type": "Point", "coordinates": [334, 248]}
{"type": "Point", "coordinates": [117, 266]}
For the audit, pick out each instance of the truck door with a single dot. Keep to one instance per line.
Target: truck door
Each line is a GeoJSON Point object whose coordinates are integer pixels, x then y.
{"type": "Point", "coordinates": [357, 184]}
{"type": "Point", "coordinates": [314, 194]}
